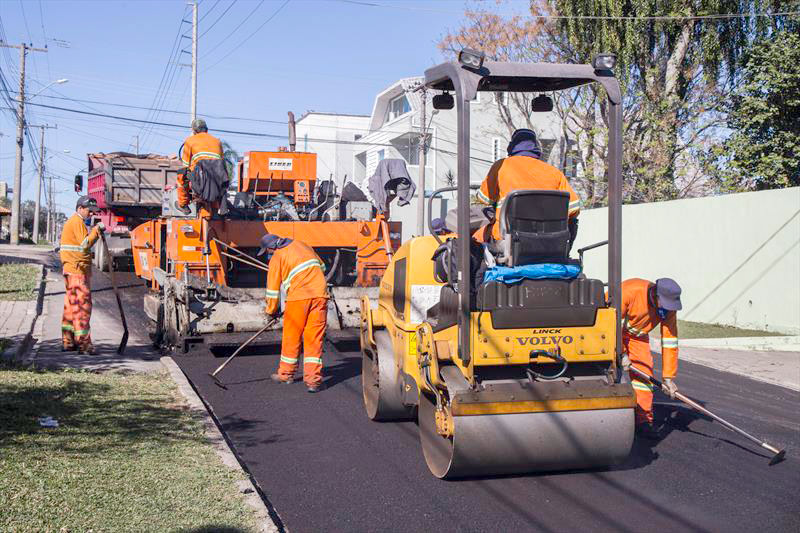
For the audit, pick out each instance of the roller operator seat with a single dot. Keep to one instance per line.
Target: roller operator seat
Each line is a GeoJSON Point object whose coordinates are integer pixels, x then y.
{"type": "Point", "coordinates": [534, 228]}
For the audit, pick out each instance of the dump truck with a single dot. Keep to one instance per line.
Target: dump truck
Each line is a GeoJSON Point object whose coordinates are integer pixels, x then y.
{"type": "Point", "coordinates": [206, 283]}
{"type": "Point", "coordinates": [504, 377]}
{"type": "Point", "coordinates": [129, 190]}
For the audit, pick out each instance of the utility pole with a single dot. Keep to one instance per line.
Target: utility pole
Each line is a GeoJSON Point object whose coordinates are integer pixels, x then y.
{"type": "Point", "coordinates": [37, 210]}
{"type": "Point", "coordinates": [194, 61]}
{"type": "Point", "coordinates": [16, 204]}
{"type": "Point", "coordinates": [423, 140]}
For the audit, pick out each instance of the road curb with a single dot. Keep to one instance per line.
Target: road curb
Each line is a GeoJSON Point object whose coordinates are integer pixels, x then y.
{"type": "Point", "coordinates": [227, 456]}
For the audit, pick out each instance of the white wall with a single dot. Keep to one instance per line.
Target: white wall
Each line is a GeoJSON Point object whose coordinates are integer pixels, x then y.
{"type": "Point", "coordinates": [737, 257]}
{"type": "Point", "coordinates": [336, 156]}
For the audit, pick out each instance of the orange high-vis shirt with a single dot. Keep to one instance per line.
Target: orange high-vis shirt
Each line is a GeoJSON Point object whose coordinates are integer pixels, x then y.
{"type": "Point", "coordinates": [298, 270]}
{"type": "Point", "coordinates": [76, 245]}
{"type": "Point", "coordinates": [641, 318]}
{"type": "Point", "coordinates": [519, 172]}
{"type": "Point", "coordinates": [200, 146]}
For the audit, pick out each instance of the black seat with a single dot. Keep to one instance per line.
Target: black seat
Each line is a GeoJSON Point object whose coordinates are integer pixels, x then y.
{"type": "Point", "coordinates": [534, 227]}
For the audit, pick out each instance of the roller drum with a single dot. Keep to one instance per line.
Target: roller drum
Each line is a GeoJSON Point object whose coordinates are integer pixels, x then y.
{"type": "Point", "coordinates": [381, 389]}
{"type": "Point", "coordinates": [525, 442]}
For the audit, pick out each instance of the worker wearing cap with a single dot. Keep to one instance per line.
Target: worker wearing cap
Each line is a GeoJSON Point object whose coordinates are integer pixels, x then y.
{"type": "Point", "coordinates": [298, 270]}
{"type": "Point", "coordinates": [645, 305]}
{"type": "Point", "coordinates": [200, 145]}
{"type": "Point", "coordinates": [439, 227]}
{"type": "Point", "coordinates": [76, 262]}
{"type": "Point", "coordinates": [523, 169]}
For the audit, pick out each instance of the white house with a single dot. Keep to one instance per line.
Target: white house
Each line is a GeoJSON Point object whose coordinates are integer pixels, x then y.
{"type": "Point", "coordinates": [333, 137]}
{"type": "Point", "coordinates": [393, 131]}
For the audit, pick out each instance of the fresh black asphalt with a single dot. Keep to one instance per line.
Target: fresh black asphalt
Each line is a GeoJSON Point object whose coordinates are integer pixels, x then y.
{"type": "Point", "coordinates": [324, 466]}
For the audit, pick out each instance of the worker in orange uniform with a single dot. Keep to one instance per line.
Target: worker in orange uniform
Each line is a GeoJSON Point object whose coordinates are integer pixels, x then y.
{"type": "Point", "coordinates": [298, 270]}
{"type": "Point", "coordinates": [523, 169]}
{"type": "Point", "coordinates": [197, 147]}
{"type": "Point", "coordinates": [76, 262]}
{"type": "Point", "coordinates": [644, 306]}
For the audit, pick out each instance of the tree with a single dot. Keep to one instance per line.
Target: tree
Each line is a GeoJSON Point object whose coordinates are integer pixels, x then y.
{"type": "Point", "coordinates": [675, 71]}
{"type": "Point", "coordinates": [762, 151]}
{"type": "Point", "coordinates": [231, 158]}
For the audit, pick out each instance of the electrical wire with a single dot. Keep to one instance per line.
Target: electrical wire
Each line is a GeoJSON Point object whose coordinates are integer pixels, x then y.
{"type": "Point", "coordinates": [218, 18]}
{"type": "Point", "coordinates": [233, 31]}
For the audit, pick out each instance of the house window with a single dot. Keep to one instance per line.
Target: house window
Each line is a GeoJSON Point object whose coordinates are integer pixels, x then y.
{"type": "Point", "coordinates": [357, 136]}
{"type": "Point", "coordinates": [398, 107]}
{"type": "Point", "coordinates": [381, 154]}
{"type": "Point", "coordinates": [496, 144]}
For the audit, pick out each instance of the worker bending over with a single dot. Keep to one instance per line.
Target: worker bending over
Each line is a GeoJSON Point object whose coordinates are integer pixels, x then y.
{"type": "Point", "coordinates": [644, 306]}
{"type": "Point", "coordinates": [200, 146]}
{"type": "Point", "coordinates": [298, 270]}
{"type": "Point", "coordinates": [76, 262]}
{"type": "Point", "coordinates": [523, 169]}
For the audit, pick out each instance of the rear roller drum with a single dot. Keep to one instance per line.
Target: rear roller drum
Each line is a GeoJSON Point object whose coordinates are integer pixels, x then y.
{"type": "Point", "coordinates": [382, 392]}
{"type": "Point", "coordinates": [524, 442]}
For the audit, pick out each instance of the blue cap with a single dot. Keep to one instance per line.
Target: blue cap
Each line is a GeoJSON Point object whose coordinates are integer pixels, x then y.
{"type": "Point", "coordinates": [669, 294]}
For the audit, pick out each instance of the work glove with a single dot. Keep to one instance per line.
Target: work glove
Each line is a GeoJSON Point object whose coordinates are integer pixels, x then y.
{"type": "Point", "coordinates": [626, 362]}
{"type": "Point", "coordinates": [669, 388]}
{"type": "Point", "coordinates": [100, 226]}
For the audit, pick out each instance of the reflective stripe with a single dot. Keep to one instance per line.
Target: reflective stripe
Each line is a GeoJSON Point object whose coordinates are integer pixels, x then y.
{"type": "Point", "coordinates": [210, 155]}
{"type": "Point", "coordinates": [638, 385]}
{"type": "Point", "coordinates": [289, 360]}
{"type": "Point", "coordinates": [85, 242]}
{"type": "Point", "coordinates": [482, 197]}
{"type": "Point", "coordinates": [185, 162]}
{"type": "Point", "coordinates": [311, 263]}
{"type": "Point", "coordinates": [80, 332]}
{"type": "Point", "coordinates": [273, 294]}
{"type": "Point", "coordinates": [72, 248]}
{"type": "Point", "coordinates": [669, 342]}
{"type": "Point", "coordinates": [67, 327]}
{"type": "Point", "coordinates": [575, 206]}
{"type": "Point", "coordinates": [312, 360]}
{"type": "Point", "coordinates": [635, 332]}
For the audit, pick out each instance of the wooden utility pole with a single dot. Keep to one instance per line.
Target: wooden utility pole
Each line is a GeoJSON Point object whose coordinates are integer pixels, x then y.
{"type": "Point", "coordinates": [194, 61]}
{"type": "Point", "coordinates": [16, 204]}
{"type": "Point", "coordinates": [37, 209]}
{"type": "Point", "coordinates": [423, 140]}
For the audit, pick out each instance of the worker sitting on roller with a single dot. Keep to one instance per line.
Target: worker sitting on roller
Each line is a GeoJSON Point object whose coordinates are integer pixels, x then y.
{"type": "Point", "coordinates": [645, 305]}
{"type": "Point", "coordinates": [76, 261]}
{"type": "Point", "coordinates": [205, 177]}
{"type": "Point", "coordinates": [523, 169]}
{"type": "Point", "coordinates": [298, 270]}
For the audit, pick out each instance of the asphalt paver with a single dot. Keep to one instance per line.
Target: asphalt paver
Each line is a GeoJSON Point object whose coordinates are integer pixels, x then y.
{"type": "Point", "coordinates": [324, 466]}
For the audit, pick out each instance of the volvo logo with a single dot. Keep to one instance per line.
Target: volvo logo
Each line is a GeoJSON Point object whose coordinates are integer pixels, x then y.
{"type": "Point", "coordinates": [545, 336]}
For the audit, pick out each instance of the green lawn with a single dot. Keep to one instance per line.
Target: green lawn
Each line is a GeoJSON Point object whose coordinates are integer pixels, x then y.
{"type": "Point", "coordinates": [699, 330]}
{"type": "Point", "coordinates": [127, 456]}
{"type": "Point", "coordinates": [18, 282]}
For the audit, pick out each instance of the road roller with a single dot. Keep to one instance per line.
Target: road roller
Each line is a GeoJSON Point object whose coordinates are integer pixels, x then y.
{"type": "Point", "coordinates": [508, 355]}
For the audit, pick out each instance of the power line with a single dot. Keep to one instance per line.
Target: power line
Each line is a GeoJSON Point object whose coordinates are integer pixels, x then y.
{"type": "Point", "coordinates": [274, 14]}
{"type": "Point", "coordinates": [218, 18]}
{"type": "Point", "coordinates": [209, 11]}
{"type": "Point", "coordinates": [233, 31]}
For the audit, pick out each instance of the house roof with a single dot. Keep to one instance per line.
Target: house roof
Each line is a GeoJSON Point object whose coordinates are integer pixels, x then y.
{"type": "Point", "coordinates": [401, 86]}
{"type": "Point", "coordinates": [307, 113]}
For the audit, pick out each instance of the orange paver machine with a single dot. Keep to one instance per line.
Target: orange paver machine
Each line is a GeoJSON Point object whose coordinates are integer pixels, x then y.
{"type": "Point", "coordinates": [203, 271]}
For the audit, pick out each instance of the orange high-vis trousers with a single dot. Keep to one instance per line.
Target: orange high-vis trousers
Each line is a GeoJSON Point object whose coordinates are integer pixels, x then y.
{"type": "Point", "coordinates": [638, 349]}
{"type": "Point", "coordinates": [77, 311]}
{"type": "Point", "coordinates": [303, 320]}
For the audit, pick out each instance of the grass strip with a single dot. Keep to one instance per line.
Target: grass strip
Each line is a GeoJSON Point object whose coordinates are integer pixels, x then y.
{"type": "Point", "coordinates": [127, 456]}
{"type": "Point", "coordinates": [18, 281]}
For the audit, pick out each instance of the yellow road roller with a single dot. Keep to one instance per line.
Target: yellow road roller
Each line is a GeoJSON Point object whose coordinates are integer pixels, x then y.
{"type": "Point", "coordinates": [508, 367]}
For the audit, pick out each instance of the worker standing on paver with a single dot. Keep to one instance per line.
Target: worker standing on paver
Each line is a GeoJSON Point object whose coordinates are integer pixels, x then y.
{"type": "Point", "coordinates": [298, 270]}
{"type": "Point", "coordinates": [644, 306]}
{"type": "Point", "coordinates": [523, 169]}
{"type": "Point", "coordinates": [200, 146]}
{"type": "Point", "coordinates": [76, 262]}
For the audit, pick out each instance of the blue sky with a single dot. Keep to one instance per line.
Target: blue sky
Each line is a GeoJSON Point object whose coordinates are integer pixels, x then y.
{"type": "Point", "coordinates": [322, 55]}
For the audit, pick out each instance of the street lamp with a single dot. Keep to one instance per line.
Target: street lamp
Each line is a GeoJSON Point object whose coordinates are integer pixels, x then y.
{"type": "Point", "coordinates": [43, 89]}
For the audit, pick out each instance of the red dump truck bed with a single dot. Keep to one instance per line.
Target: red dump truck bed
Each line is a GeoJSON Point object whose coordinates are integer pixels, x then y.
{"type": "Point", "coordinates": [129, 190]}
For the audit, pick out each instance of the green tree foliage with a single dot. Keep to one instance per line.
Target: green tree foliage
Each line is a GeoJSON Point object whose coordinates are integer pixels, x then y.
{"type": "Point", "coordinates": [762, 152]}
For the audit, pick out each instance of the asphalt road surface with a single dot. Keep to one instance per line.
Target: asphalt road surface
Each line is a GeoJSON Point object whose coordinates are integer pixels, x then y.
{"type": "Point", "coordinates": [323, 466]}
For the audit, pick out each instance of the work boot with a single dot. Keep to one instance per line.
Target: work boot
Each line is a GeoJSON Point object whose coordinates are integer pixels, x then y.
{"type": "Point", "coordinates": [87, 349]}
{"type": "Point", "coordinates": [68, 348]}
{"type": "Point", "coordinates": [278, 379]}
{"type": "Point", "coordinates": [647, 431]}
{"type": "Point", "coordinates": [314, 388]}
{"type": "Point", "coordinates": [182, 210]}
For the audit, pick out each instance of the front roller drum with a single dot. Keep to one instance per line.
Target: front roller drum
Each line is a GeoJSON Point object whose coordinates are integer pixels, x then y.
{"type": "Point", "coordinates": [382, 391]}
{"type": "Point", "coordinates": [518, 443]}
